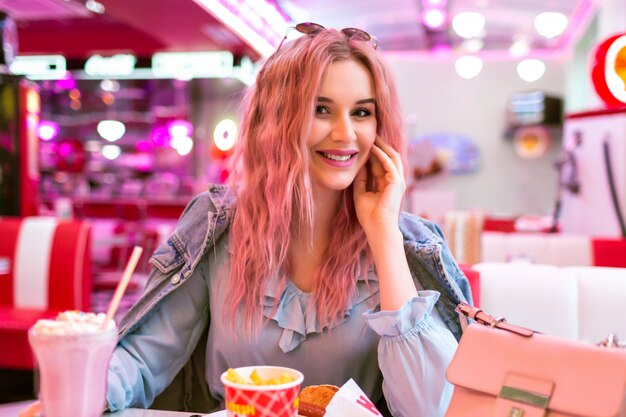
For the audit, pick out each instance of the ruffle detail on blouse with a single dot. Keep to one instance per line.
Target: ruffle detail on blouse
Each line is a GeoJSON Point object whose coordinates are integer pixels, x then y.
{"type": "Point", "coordinates": [296, 319]}
{"type": "Point", "coordinates": [412, 313]}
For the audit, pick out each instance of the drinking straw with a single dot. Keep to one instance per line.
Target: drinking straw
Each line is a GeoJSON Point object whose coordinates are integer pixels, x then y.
{"type": "Point", "coordinates": [121, 286]}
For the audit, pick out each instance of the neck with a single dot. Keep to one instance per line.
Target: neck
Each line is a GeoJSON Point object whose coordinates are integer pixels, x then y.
{"type": "Point", "coordinates": [326, 205]}
{"type": "Point", "coordinates": [306, 254]}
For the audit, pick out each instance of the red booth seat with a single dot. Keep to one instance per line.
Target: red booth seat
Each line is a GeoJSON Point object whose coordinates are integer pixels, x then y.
{"type": "Point", "coordinates": [609, 252]}
{"type": "Point", "coordinates": [45, 267]}
{"type": "Point", "coordinates": [473, 276]}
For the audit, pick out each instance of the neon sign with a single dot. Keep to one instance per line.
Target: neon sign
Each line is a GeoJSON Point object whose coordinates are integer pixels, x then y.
{"type": "Point", "coordinates": [211, 64]}
{"type": "Point", "coordinates": [40, 67]}
{"type": "Point", "coordinates": [179, 65]}
{"type": "Point", "coordinates": [111, 66]}
{"type": "Point", "coordinates": [609, 71]}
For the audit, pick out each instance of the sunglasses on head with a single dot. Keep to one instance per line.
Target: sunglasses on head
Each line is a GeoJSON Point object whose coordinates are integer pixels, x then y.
{"type": "Point", "coordinates": [312, 29]}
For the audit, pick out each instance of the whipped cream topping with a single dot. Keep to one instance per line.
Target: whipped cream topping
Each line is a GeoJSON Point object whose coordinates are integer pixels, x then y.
{"type": "Point", "coordinates": [72, 322]}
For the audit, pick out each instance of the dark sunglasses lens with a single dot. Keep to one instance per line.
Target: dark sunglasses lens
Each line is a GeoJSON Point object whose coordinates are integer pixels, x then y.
{"type": "Point", "coordinates": [309, 28]}
{"type": "Point", "coordinates": [356, 34]}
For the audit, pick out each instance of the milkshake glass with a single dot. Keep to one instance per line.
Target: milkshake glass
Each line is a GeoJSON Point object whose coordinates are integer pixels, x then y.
{"type": "Point", "coordinates": [73, 356]}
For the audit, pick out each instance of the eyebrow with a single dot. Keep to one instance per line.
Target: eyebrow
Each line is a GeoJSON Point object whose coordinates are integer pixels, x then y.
{"type": "Point", "coordinates": [363, 101]}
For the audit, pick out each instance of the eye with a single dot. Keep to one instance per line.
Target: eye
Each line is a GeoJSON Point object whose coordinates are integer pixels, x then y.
{"type": "Point", "coordinates": [321, 110]}
{"type": "Point", "coordinates": [361, 113]}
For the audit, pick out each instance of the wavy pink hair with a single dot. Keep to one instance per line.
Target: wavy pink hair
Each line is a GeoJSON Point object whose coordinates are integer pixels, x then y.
{"type": "Point", "coordinates": [270, 176]}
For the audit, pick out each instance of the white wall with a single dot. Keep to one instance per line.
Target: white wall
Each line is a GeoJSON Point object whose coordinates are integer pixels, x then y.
{"type": "Point", "coordinates": [579, 92]}
{"type": "Point", "coordinates": [441, 101]}
{"type": "Point", "coordinates": [444, 102]}
{"type": "Point", "coordinates": [610, 20]}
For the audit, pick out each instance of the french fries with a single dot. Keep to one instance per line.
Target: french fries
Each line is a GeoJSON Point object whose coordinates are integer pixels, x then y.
{"type": "Point", "coordinates": [255, 379]}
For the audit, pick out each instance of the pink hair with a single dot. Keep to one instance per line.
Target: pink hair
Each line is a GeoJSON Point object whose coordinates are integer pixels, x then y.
{"type": "Point", "coordinates": [271, 177]}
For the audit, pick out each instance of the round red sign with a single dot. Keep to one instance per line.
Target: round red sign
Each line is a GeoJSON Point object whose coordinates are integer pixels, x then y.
{"type": "Point", "coordinates": [608, 71]}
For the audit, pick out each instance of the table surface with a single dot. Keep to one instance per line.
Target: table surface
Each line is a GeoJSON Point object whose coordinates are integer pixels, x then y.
{"type": "Point", "coordinates": [12, 410]}
{"type": "Point", "coordinates": [138, 412]}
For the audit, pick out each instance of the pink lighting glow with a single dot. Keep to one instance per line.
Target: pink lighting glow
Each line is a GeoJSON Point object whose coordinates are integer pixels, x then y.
{"type": "Point", "coordinates": [144, 146]}
{"type": "Point", "coordinates": [579, 20]}
{"type": "Point", "coordinates": [440, 50]}
{"type": "Point", "coordinates": [67, 83]}
{"type": "Point", "coordinates": [160, 136]}
{"type": "Point", "coordinates": [438, 3]}
{"type": "Point", "coordinates": [47, 130]}
{"type": "Point", "coordinates": [65, 149]}
{"type": "Point", "coordinates": [257, 22]}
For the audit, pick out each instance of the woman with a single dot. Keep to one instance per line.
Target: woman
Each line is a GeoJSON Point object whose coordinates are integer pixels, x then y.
{"type": "Point", "coordinates": [306, 261]}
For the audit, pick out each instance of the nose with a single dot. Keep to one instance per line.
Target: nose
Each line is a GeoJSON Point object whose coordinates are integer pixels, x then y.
{"type": "Point", "coordinates": [343, 129]}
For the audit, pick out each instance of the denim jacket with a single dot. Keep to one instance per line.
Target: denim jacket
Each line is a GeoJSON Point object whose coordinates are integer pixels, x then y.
{"type": "Point", "coordinates": [203, 222]}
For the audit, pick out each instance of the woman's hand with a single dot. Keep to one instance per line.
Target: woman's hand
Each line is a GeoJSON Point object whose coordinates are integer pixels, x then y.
{"type": "Point", "coordinates": [378, 209]}
{"type": "Point", "coordinates": [380, 206]}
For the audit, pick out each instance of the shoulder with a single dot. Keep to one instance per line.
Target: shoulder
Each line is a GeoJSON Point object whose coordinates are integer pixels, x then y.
{"type": "Point", "coordinates": [208, 213]}
{"type": "Point", "coordinates": [216, 199]}
{"type": "Point", "coordinates": [417, 229]}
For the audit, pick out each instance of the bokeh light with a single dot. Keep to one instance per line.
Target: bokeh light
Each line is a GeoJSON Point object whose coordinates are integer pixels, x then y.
{"type": "Point", "coordinates": [225, 134]}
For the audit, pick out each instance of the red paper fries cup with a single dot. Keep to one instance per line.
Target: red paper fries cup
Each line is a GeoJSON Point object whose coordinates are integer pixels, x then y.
{"type": "Point", "coordinates": [279, 400]}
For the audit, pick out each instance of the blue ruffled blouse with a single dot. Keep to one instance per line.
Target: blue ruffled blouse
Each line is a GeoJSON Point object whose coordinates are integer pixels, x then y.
{"type": "Point", "coordinates": [411, 345]}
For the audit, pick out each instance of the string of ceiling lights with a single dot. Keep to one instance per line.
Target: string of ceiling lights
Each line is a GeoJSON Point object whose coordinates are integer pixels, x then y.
{"type": "Point", "coordinates": [471, 27]}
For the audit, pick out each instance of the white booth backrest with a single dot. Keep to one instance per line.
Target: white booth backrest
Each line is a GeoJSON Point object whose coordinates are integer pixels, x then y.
{"type": "Point", "coordinates": [530, 295]}
{"type": "Point", "coordinates": [580, 303]}
{"type": "Point", "coordinates": [602, 302]}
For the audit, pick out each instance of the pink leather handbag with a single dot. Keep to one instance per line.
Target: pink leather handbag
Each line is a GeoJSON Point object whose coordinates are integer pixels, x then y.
{"type": "Point", "coordinates": [502, 370]}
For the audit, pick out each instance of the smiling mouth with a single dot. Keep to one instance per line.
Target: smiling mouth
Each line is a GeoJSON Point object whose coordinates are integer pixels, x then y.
{"type": "Point", "coordinates": [335, 157]}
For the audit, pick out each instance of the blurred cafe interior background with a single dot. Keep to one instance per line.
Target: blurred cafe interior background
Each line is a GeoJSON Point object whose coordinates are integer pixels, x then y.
{"type": "Point", "coordinates": [114, 113]}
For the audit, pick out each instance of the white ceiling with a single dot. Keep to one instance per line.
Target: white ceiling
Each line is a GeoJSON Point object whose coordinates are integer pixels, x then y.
{"type": "Point", "coordinates": [396, 23]}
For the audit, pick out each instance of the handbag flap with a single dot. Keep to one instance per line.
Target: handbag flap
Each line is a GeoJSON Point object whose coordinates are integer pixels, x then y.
{"type": "Point", "coordinates": [588, 380]}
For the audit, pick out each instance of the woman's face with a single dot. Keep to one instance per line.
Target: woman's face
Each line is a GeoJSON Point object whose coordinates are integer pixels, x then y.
{"type": "Point", "coordinates": [344, 125]}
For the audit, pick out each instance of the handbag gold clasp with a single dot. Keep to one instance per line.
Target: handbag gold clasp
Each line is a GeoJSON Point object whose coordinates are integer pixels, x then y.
{"type": "Point", "coordinates": [525, 397]}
